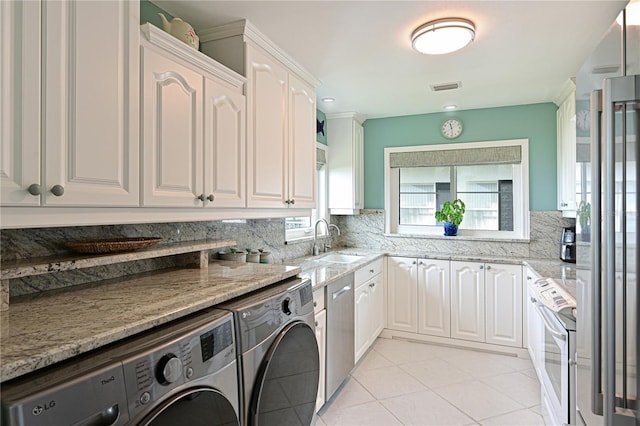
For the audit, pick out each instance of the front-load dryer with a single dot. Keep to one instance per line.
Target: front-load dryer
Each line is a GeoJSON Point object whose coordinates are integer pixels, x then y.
{"type": "Point", "coordinates": [278, 353]}
{"type": "Point", "coordinates": [184, 373]}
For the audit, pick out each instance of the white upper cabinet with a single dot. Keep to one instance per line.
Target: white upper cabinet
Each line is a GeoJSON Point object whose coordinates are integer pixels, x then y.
{"type": "Point", "coordinates": [20, 103]}
{"type": "Point", "coordinates": [267, 98]}
{"type": "Point", "coordinates": [172, 133]}
{"type": "Point", "coordinates": [302, 152]}
{"type": "Point", "coordinates": [193, 127]}
{"type": "Point", "coordinates": [566, 140]}
{"type": "Point", "coordinates": [224, 145]}
{"type": "Point", "coordinates": [86, 142]}
{"type": "Point", "coordinates": [281, 116]}
{"type": "Point", "coordinates": [345, 138]}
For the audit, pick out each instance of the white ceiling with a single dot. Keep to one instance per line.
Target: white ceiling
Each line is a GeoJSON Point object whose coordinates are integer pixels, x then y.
{"type": "Point", "coordinates": [524, 51]}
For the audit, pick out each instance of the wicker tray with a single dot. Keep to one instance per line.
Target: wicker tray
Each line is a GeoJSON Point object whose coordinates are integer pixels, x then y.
{"type": "Point", "coordinates": [112, 245]}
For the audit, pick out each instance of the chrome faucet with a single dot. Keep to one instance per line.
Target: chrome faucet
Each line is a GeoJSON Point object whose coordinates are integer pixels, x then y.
{"type": "Point", "coordinates": [316, 247]}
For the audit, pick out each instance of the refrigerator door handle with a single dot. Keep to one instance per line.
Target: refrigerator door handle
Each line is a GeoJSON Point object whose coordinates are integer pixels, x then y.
{"type": "Point", "coordinates": [596, 252]}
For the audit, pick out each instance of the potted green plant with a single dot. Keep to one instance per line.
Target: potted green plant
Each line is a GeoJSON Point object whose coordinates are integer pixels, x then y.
{"type": "Point", "coordinates": [584, 218]}
{"type": "Point", "coordinates": [451, 215]}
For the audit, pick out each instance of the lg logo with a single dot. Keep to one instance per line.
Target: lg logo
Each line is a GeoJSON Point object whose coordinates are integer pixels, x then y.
{"type": "Point", "coordinates": [38, 409]}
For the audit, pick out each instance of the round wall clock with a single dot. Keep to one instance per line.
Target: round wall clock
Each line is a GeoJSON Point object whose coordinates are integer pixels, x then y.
{"type": "Point", "coordinates": [452, 128]}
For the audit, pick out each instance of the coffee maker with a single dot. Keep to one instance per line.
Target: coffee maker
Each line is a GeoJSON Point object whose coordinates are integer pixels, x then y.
{"type": "Point", "coordinates": [568, 245]}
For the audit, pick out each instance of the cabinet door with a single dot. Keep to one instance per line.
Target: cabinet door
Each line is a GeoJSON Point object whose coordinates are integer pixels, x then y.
{"type": "Point", "coordinates": [302, 144]}
{"type": "Point", "coordinates": [376, 311]}
{"type": "Point", "coordinates": [358, 165]}
{"type": "Point", "coordinates": [363, 326]}
{"type": "Point", "coordinates": [267, 104]}
{"type": "Point", "coordinates": [467, 301]}
{"type": "Point", "coordinates": [504, 304]}
{"type": "Point", "coordinates": [534, 329]}
{"type": "Point", "coordinates": [19, 102]}
{"type": "Point", "coordinates": [434, 314]}
{"type": "Point", "coordinates": [402, 294]}
{"type": "Point", "coordinates": [172, 133]}
{"type": "Point", "coordinates": [566, 134]}
{"type": "Point", "coordinates": [321, 337]}
{"type": "Point", "coordinates": [224, 145]}
{"type": "Point", "coordinates": [91, 102]}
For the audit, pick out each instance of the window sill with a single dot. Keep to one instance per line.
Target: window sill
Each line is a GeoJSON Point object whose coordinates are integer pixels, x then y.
{"type": "Point", "coordinates": [461, 238]}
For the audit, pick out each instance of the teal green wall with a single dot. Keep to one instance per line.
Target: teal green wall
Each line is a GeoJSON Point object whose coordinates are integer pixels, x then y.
{"type": "Point", "coordinates": [536, 122]}
{"type": "Point", "coordinates": [149, 13]}
{"type": "Point", "coordinates": [319, 136]}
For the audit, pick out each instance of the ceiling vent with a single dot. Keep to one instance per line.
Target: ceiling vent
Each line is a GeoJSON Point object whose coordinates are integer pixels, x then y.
{"type": "Point", "coordinates": [446, 86]}
{"type": "Point", "coordinates": [605, 69]}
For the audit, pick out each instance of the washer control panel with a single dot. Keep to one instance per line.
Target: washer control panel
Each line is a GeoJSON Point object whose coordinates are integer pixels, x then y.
{"type": "Point", "coordinates": [172, 359]}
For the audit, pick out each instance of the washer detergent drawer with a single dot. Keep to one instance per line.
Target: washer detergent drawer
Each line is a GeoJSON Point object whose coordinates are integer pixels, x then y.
{"type": "Point", "coordinates": [99, 396]}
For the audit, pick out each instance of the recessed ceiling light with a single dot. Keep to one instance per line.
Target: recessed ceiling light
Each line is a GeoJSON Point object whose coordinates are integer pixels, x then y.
{"type": "Point", "coordinates": [443, 36]}
{"type": "Point", "coordinates": [450, 107]}
{"type": "Point", "coordinates": [328, 100]}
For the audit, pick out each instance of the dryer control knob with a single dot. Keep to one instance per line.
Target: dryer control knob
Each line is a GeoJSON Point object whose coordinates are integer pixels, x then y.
{"type": "Point", "coordinates": [169, 369]}
{"type": "Point", "coordinates": [286, 306]}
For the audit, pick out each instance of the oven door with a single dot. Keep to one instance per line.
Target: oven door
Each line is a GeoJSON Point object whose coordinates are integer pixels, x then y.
{"type": "Point", "coordinates": [554, 369]}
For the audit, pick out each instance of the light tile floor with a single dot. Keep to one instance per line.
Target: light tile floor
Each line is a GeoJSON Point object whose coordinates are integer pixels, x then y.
{"type": "Point", "coordinates": [404, 383]}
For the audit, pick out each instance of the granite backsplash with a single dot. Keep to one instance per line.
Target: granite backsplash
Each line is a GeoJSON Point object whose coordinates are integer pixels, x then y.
{"type": "Point", "coordinates": [364, 230]}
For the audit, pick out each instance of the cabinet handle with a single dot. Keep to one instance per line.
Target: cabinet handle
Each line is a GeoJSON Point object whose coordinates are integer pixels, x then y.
{"type": "Point", "coordinates": [57, 190]}
{"type": "Point", "coordinates": [371, 271]}
{"type": "Point", "coordinates": [316, 323]}
{"type": "Point", "coordinates": [564, 204]}
{"type": "Point", "coordinates": [315, 304]}
{"type": "Point", "coordinates": [292, 201]}
{"type": "Point", "coordinates": [287, 201]}
{"type": "Point", "coordinates": [201, 197]}
{"type": "Point", "coordinates": [533, 300]}
{"type": "Point", "coordinates": [34, 189]}
{"type": "Point", "coordinates": [372, 285]}
{"type": "Point", "coordinates": [488, 266]}
{"type": "Point", "coordinates": [481, 266]}
{"type": "Point", "coordinates": [210, 197]}
{"type": "Point", "coordinates": [529, 277]}
{"type": "Point", "coordinates": [414, 262]}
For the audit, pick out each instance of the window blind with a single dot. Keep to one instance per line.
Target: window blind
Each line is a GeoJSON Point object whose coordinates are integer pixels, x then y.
{"type": "Point", "coordinates": [457, 157]}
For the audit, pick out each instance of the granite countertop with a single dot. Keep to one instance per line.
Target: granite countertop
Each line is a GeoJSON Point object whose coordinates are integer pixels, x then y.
{"type": "Point", "coordinates": [83, 318]}
{"type": "Point", "coordinates": [53, 326]}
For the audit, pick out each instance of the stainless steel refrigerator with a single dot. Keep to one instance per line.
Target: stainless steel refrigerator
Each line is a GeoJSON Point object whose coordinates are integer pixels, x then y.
{"type": "Point", "coordinates": [607, 221]}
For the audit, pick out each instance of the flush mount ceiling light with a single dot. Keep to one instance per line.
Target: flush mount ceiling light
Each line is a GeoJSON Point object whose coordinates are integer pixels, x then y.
{"type": "Point", "coordinates": [633, 14]}
{"type": "Point", "coordinates": [328, 100]}
{"type": "Point", "coordinates": [443, 36]}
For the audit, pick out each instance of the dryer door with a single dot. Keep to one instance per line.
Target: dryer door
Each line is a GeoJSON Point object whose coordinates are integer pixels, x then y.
{"type": "Point", "coordinates": [287, 384]}
{"type": "Point", "coordinates": [194, 407]}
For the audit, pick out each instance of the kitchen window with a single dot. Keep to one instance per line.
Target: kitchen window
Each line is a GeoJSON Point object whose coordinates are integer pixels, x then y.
{"type": "Point", "coordinates": [490, 177]}
{"type": "Point", "coordinates": [302, 227]}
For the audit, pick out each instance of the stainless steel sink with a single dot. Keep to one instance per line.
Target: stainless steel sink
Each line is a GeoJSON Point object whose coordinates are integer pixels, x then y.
{"type": "Point", "coordinates": [340, 258]}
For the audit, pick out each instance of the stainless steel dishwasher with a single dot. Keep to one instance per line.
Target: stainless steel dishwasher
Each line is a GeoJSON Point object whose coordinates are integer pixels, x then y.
{"type": "Point", "coordinates": [340, 332]}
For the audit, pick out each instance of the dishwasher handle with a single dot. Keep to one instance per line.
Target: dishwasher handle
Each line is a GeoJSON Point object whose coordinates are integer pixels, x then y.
{"type": "Point", "coordinates": [338, 293]}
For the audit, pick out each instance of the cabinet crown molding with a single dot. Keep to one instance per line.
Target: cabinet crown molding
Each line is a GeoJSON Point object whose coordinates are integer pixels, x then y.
{"type": "Point", "coordinates": [360, 118]}
{"type": "Point", "coordinates": [157, 37]}
{"type": "Point", "coordinates": [251, 34]}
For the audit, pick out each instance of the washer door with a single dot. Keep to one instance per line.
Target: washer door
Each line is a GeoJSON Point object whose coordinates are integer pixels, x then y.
{"type": "Point", "coordinates": [287, 384]}
{"type": "Point", "coordinates": [194, 407]}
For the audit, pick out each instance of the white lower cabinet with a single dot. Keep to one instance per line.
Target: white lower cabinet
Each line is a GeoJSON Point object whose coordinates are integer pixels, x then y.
{"type": "Point", "coordinates": [467, 301]}
{"type": "Point", "coordinates": [534, 326]}
{"type": "Point", "coordinates": [486, 303]}
{"type": "Point", "coordinates": [321, 337]}
{"type": "Point", "coordinates": [402, 294]}
{"type": "Point", "coordinates": [369, 306]}
{"type": "Point", "coordinates": [503, 304]}
{"type": "Point", "coordinates": [418, 296]}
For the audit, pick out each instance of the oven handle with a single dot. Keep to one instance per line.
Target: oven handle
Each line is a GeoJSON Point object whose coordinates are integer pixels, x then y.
{"type": "Point", "coordinates": [562, 335]}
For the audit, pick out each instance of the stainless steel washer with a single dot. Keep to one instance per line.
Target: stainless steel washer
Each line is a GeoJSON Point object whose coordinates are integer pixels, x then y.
{"type": "Point", "coordinates": [278, 352]}
{"type": "Point", "coordinates": [184, 373]}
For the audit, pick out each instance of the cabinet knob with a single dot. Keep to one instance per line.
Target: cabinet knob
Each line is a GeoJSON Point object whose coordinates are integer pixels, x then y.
{"type": "Point", "coordinates": [210, 197]}
{"type": "Point", "coordinates": [564, 204]}
{"type": "Point", "coordinates": [371, 271]}
{"type": "Point", "coordinates": [372, 285]}
{"type": "Point", "coordinates": [488, 266]}
{"type": "Point", "coordinates": [57, 190]}
{"type": "Point", "coordinates": [481, 266]}
{"type": "Point", "coordinates": [533, 300]}
{"type": "Point", "coordinates": [286, 201]}
{"type": "Point", "coordinates": [414, 262]}
{"type": "Point", "coordinates": [315, 304]}
{"type": "Point", "coordinates": [529, 277]}
{"type": "Point", "coordinates": [34, 189]}
{"type": "Point", "coordinates": [201, 197]}
{"type": "Point", "coordinates": [292, 201]}
{"type": "Point", "coordinates": [316, 323]}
